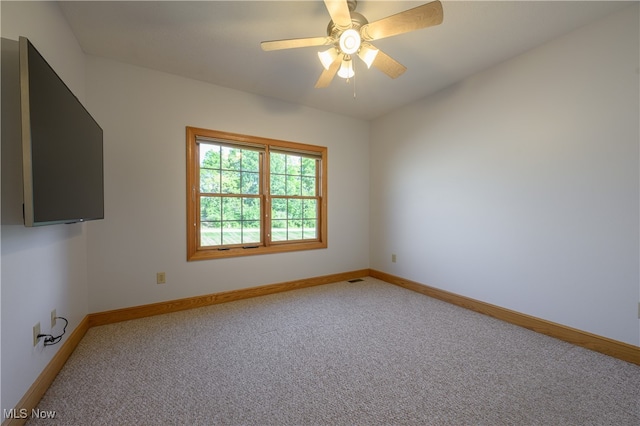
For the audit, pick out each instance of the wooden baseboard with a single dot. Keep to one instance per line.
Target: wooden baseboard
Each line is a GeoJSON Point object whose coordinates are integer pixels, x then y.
{"type": "Point", "coordinates": [614, 348]}
{"type": "Point", "coordinates": [31, 399]}
{"type": "Point", "coordinates": [135, 312]}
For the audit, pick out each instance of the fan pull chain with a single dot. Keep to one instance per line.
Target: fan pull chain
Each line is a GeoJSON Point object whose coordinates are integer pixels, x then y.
{"type": "Point", "coordinates": [353, 64]}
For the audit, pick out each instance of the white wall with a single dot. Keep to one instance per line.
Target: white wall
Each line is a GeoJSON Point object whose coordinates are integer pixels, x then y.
{"type": "Point", "coordinates": [520, 186]}
{"type": "Point", "coordinates": [144, 114]}
{"type": "Point", "coordinates": [42, 268]}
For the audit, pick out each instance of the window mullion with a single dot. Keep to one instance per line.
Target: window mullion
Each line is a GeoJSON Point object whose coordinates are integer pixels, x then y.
{"type": "Point", "coordinates": [265, 173]}
{"type": "Point", "coordinates": [196, 197]}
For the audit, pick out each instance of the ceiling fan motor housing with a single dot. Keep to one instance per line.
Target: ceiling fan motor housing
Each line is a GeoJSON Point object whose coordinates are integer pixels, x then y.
{"type": "Point", "coordinates": [357, 21]}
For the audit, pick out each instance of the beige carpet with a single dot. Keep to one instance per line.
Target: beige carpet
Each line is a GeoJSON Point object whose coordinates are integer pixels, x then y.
{"type": "Point", "coordinates": [366, 353]}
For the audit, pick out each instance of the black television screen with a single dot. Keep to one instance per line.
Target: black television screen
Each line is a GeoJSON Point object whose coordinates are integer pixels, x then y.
{"type": "Point", "coordinates": [62, 150]}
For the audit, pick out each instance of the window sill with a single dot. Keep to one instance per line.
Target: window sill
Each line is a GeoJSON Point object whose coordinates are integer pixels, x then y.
{"type": "Point", "coordinates": [205, 254]}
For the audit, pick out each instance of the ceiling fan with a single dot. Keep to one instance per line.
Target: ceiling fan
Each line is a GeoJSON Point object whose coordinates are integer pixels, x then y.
{"type": "Point", "coordinates": [350, 34]}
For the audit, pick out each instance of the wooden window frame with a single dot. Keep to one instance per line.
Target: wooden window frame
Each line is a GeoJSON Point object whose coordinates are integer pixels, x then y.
{"type": "Point", "coordinates": [197, 252]}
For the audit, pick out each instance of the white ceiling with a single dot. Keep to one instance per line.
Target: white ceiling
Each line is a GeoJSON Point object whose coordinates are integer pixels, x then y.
{"type": "Point", "coordinates": [219, 42]}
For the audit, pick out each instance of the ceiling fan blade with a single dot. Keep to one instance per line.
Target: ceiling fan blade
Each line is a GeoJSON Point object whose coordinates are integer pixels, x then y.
{"type": "Point", "coordinates": [327, 75]}
{"type": "Point", "coordinates": [424, 16]}
{"type": "Point", "coordinates": [295, 42]}
{"type": "Point", "coordinates": [388, 65]}
{"type": "Point", "coordinates": [339, 12]}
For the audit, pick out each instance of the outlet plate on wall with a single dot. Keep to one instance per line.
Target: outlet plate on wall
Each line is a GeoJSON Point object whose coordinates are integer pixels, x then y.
{"type": "Point", "coordinates": [36, 332]}
{"type": "Point", "coordinates": [161, 278]}
{"type": "Point", "coordinates": [53, 318]}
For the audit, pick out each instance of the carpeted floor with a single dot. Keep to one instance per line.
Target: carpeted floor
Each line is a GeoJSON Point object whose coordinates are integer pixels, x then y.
{"type": "Point", "coordinates": [366, 353]}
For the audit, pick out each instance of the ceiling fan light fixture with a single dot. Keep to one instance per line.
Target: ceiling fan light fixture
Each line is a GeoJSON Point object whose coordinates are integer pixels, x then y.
{"type": "Point", "coordinates": [327, 57]}
{"type": "Point", "coordinates": [368, 54]}
{"type": "Point", "coordinates": [346, 69]}
{"type": "Point", "coordinates": [350, 41]}
{"type": "Point", "coordinates": [349, 33]}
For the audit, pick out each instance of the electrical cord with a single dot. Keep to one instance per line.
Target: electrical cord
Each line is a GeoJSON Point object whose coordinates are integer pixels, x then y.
{"type": "Point", "coordinates": [51, 340]}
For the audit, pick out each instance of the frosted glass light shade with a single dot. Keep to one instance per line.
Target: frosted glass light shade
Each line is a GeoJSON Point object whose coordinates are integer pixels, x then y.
{"type": "Point", "coordinates": [327, 57]}
{"type": "Point", "coordinates": [368, 54]}
{"type": "Point", "coordinates": [346, 69]}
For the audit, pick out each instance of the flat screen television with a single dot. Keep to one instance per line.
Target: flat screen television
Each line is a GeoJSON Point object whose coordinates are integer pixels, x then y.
{"type": "Point", "coordinates": [62, 147]}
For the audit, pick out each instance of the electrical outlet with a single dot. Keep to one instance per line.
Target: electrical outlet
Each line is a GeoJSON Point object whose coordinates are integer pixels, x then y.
{"type": "Point", "coordinates": [161, 278]}
{"type": "Point", "coordinates": [393, 258]}
{"type": "Point", "coordinates": [53, 318]}
{"type": "Point", "coordinates": [36, 332]}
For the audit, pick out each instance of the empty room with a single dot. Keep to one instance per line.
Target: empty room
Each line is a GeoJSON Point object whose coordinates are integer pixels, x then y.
{"type": "Point", "coordinates": [320, 212]}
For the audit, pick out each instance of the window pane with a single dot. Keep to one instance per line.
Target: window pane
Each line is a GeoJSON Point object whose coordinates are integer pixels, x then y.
{"type": "Point", "coordinates": [231, 208]}
{"type": "Point", "coordinates": [278, 163]}
{"type": "Point", "coordinates": [210, 234]}
{"type": "Point", "coordinates": [251, 232]}
{"type": "Point", "coordinates": [231, 232]}
{"type": "Point", "coordinates": [209, 180]}
{"type": "Point", "coordinates": [293, 164]}
{"type": "Point", "coordinates": [309, 186]}
{"type": "Point", "coordinates": [294, 219]}
{"type": "Point", "coordinates": [251, 209]}
{"type": "Point", "coordinates": [223, 222]}
{"type": "Point", "coordinates": [279, 208]}
{"type": "Point", "coordinates": [294, 185]}
{"type": "Point", "coordinates": [250, 182]}
{"type": "Point", "coordinates": [278, 230]}
{"type": "Point", "coordinates": [210, 208]}
{"type": "Point", "coordinates": [230, 182]}
{"type": "Point", "coordinates": [308, 167]}
{"type": "Point", "coordinates": [250, 161]}
{"type": "Point", "coordinates": [209, 156]}
{"type": "Point", "coordinates": [309, 230]}
{"type": "Point", "coordinates": [310, 209]}
{"type": "Point", "coordinates": [294, 209]}
{"type": "Point", "coordinates": [294, 231]}
{"type": "Point", "coordinates": [230, 158]}
{"type": "Point", "coordinates": [278, 184]}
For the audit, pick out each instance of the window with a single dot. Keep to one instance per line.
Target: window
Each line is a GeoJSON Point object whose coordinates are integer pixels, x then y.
{"type": "Point", "coordinates": [249, 195]}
